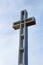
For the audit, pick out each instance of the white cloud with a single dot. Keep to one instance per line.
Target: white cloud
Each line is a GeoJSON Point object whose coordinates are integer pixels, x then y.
{"type": "Point", "coordinates": [9, 38]}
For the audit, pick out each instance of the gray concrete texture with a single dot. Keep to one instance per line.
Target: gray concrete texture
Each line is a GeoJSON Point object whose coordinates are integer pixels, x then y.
{"type": "Point", "coordinates": [23, 44]}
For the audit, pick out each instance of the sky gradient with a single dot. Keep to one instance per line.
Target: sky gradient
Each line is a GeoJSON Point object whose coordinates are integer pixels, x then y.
{"type": "Point", "coordinates": [9, 38]}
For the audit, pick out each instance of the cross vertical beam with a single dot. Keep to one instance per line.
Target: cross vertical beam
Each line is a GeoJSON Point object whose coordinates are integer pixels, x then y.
{"type": "Point", "coordinates": [23, 46]}
{"type": "Point", "coordinates": [23, 49]}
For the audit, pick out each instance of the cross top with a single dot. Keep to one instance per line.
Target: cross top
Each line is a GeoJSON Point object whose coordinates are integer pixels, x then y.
{"type": "Point", "coordinates": [28, 21]}
{"type": "Point", "coordinates": [23, 14]}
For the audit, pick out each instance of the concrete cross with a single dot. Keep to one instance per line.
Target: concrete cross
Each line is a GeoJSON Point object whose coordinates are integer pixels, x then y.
{"type": "Point", "coordinates": [23, 46]}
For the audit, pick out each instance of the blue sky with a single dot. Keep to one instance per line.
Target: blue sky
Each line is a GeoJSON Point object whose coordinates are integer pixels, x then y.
{"type": "Point", "coordinates": [9, 38]}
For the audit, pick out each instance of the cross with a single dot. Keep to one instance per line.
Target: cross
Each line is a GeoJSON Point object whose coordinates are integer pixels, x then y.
{"type": "Point", "coordinates": [23, 44]}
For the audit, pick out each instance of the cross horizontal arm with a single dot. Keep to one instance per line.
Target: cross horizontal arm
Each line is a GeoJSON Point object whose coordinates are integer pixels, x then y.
{"type": "Point", "coordinates": [28, 21]}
